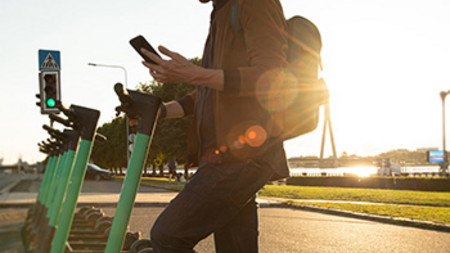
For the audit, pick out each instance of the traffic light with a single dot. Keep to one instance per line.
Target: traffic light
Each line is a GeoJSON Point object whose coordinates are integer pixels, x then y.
{"type": "Point", "coordinates": [50, 92]}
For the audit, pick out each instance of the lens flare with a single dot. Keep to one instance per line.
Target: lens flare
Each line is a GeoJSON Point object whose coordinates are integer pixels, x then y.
{"type": "Point", "coordinates": [255, 136]}
{"type": "Point", "coordinates": [276, 89]}
{"type": "Point", "coordinates": [242, 139]}
{"type": "Point", "coordinates": [223, 149]}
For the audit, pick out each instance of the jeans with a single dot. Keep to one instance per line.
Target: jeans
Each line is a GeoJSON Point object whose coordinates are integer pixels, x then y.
{"type": "Point", "coordinates": [219, 199]}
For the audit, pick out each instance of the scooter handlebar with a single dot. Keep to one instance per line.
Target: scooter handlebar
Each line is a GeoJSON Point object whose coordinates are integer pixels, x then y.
{"type": "Point", "coordinates": [53, 132]}
{"type": "Point", "coordinates": [63, 109]}
{"type": "Point", "coordinates": [58, 119]}
{"type": "Point", "coordinates": [126, 102]}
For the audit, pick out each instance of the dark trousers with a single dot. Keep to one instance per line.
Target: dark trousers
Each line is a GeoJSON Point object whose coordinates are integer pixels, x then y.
{"type": "Point", "coordinates": [219, 199]}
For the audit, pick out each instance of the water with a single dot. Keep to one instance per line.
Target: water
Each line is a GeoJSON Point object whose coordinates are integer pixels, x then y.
{"type": "Point", "coordinates": [362, 171]}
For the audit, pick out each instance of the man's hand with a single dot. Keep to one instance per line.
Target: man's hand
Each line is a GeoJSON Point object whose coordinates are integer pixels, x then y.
{"type": "Point", "coordinates": [180, 70]}
{"type": "Point", "coordinates": [176, 70]}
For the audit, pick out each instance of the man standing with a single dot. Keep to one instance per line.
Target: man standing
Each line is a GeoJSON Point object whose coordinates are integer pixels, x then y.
{"type": "Point", "coordinates": [172, 169]}
{"type": "Point", "coordinates": [234, 138]}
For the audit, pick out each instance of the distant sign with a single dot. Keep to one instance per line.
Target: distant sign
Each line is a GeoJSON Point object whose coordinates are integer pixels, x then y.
{"type": "Point", "coordinates": [49, 60]}
{"type": "Point", "coordinates": [435, 156]}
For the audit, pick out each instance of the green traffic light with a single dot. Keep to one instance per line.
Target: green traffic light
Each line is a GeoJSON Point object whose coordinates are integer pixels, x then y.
{"type": "Point", "coordinates": [50, 102]}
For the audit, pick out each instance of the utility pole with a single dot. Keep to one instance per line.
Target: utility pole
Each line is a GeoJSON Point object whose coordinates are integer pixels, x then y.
{"type": "Point", "coordinates": [444, 165]}
{"type": "Point", "coordinates": [126, 86]}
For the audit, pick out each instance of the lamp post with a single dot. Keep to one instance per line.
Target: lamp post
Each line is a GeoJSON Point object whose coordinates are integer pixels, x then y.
{"type": "Point", "coordinates": [444, 165]}
{"type": "Point", "coordinates": [126, 86]}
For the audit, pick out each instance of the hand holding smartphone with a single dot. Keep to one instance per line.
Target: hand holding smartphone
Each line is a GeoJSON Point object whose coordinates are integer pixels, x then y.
{"type": "Point", "coordinates": [140, 42]}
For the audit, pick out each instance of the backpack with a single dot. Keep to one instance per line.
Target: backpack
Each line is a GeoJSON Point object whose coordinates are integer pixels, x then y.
{"type": "Point", "coordinates": [301, 115]}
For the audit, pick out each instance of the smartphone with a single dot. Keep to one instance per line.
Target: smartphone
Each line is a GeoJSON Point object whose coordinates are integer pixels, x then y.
{"type": "Point", "coordinates": [140, 42]}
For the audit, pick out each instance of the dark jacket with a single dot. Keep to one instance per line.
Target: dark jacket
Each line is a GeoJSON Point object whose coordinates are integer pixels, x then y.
{"type": "Point", "coordinates": [244, 128]}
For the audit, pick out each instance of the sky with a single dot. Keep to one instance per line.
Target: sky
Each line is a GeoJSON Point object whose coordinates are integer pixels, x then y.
{"type": "Point", "coordinates": [385, 63]}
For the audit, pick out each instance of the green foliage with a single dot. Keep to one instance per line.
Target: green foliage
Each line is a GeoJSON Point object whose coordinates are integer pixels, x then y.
{"type": "Point", "coordinates": [111, 153]}
{"type": "Point", "coordinates": [407, 157]}
{"type": "Point", "coordinates": [171, 135]}
{"type": "Point", "coordinates": [403, 156]}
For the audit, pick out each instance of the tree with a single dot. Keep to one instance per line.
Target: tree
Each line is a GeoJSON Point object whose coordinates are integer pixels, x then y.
{"type": "Point", "coordinates": [112, 152]}
{"type": "Point", "coordinates": [171, 135]}
{"type": "Point", "coordinates": [169, 140]}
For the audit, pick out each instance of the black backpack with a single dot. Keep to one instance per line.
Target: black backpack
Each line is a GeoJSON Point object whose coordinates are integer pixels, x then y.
{"type": "Point", "coordinates": [303, 97]}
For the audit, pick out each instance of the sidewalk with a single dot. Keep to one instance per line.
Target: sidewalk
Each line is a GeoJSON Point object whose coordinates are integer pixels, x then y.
{"type": "Point", "coordinates": [100, 199]}
{"type": "Point", "coordinates": [24, 200]}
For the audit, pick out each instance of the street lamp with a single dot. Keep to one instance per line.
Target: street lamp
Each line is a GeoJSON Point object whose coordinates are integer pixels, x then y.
{"type": "Point", "coordinates": [126, 86]}
{"type": "Point", "coordinates": [444, 165]}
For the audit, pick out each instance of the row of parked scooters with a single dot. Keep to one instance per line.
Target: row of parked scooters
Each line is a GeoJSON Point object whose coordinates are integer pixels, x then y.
{"type": "Point", "coordinates": [55, 223]}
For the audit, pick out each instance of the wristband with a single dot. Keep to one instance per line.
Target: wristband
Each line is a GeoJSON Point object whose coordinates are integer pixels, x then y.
{"type": "Point", "coordinates": [162, 111]}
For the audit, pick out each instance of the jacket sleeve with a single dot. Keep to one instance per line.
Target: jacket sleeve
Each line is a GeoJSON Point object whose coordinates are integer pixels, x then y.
{"type": "Point", "coordinates": [187, 103]}
{"type": "Point", "coordinates": [265, 36]}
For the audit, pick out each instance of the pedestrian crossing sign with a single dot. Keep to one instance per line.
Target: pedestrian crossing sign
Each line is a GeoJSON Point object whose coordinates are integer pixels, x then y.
{"type": "Point", "coordinates": [49, 60]}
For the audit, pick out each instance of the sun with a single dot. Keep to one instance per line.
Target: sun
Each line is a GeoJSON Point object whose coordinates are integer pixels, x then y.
{"type": "Point", "coordinates": [362, 171]}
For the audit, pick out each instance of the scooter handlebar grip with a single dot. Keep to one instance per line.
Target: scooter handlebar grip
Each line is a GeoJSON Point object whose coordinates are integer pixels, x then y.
{"type": "Point", "coordinates": [47, 128]}
{"type": "Point", "coordinates": [64, 109]}
{"type": "Point", "coordinates": [123, 96]}
{"type": "Point", "coordinates": [58, 119]}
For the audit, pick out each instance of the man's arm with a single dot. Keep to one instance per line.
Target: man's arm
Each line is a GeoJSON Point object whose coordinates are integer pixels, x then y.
{"type": "Point", "coordinates": [179, 69]}
{"type": "Point", "coordinates": [265, 37]}
{"type": "Point", "coordinates": [182, 107]}
{"type": "Point", "coordinates": [173, 109]}
{"type": "Point", "coordinates": [264, 28]}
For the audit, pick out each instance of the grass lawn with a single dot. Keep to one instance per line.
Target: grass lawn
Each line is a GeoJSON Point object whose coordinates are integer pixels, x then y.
{"type": "Point", "coordinates": [418, 205]}
{"type": "Point", "coordinates": [422, 213]}
{"type": "Point", "coordinates": [158, 182]}
{"type": "Point", "coordinates": [437, 199]}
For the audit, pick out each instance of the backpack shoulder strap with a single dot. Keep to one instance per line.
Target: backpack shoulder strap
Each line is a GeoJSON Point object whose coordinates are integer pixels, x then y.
{"type": "Point", "coordinates": [235, 22]}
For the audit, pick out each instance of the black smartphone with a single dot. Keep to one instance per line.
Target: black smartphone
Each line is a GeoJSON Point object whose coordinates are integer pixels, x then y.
{"type": "Point", "coordinates": [140, 42]}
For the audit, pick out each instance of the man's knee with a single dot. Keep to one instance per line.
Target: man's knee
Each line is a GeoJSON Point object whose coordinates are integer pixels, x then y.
{"type": "Point", "coordinates": [164, 239]}
{"type": "Point", "coordinates": [159, 233]}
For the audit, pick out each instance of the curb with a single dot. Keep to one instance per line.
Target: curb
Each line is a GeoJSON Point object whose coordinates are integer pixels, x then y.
{"type": "Point", "coordinates": [378, 218]}
{"type": "Point", "coordinates": [10, 186]}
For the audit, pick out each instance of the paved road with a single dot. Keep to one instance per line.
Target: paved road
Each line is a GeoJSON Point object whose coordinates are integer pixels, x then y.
{"type": "Point", "coordinates": [111, 187]}
{"type": "Point", "coordinates": [288, 230]}
{"type": "Point", "coordinates": [7, 179]}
